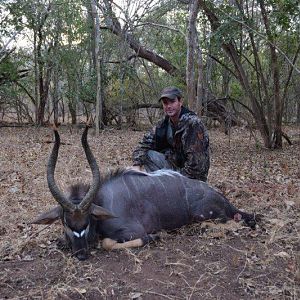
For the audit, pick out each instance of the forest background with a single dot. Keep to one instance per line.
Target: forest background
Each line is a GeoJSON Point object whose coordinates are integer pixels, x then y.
{"type": "Point", "coordinates": [236, 61]}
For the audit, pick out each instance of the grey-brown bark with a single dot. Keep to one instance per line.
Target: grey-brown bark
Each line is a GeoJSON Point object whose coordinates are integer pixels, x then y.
{"type": "Point", "coordinates": [96, 55]}
{"type": "Point", "coordinates": [277, 142]}
{"type": "Point", "coordinates": [42, 77]}
{"type": "Point", "coordinates": [191, 55]}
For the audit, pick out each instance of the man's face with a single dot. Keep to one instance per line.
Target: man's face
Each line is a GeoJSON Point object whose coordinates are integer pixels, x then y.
{"type": "Point", "coordinates": [171, 107]}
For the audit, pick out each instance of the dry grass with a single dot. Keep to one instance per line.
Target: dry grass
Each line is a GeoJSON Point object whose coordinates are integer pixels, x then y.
{"type": "Point", "coordinates": [207, 261]}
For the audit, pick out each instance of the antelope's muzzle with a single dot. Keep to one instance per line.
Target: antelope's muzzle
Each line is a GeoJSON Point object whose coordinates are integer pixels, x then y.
{"type": "Point", "coordinates": [80, 248]}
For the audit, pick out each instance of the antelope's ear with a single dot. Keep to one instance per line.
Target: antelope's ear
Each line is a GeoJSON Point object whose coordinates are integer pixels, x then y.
{"type": "Point", "coordinates": [48, 217]}
{"type": "Point", "coordinates": [101, 213]}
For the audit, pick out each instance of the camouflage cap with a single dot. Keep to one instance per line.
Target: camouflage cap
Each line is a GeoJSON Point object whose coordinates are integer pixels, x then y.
{"type": "Point", "coordinates": [171, 93]}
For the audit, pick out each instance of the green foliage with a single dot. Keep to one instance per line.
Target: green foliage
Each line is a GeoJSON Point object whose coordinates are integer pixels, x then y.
{"type": "Point", "coordinates": [285, 14]}
{"type": "Point", "coordinates": [230, 28]}
{"type": "Point", "coordinates": [88, 91]}
{"type": "Point", "coordinates": [8, 71]}
{"type": "Point", "coordinates": [236, 91]}
{"type": "Point", "coordinates": [65, 38]}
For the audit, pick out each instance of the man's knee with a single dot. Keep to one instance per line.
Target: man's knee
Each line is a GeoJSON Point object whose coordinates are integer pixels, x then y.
{"type": "Point", "coordinates": [155, 155]}
{"type": "Point", "coordinates": [156, 161]}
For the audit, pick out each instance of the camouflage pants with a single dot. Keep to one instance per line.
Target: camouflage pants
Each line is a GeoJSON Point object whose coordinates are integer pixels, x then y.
{"type": "Point", "coordinates": [156, 161]}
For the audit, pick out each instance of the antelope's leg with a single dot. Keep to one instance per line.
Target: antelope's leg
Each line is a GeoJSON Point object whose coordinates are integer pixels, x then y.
{"type": "Point", "coordinates": [109, 244]}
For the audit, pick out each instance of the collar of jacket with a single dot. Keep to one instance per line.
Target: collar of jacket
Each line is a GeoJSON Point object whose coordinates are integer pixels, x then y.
{"type": "Point", "coordinates": [183, 111]}
{"type": "Point", "coordinates": [162, 127]}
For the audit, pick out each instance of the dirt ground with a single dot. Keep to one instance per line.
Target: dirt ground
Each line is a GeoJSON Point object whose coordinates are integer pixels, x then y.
{"type": "Point", "coordinates": [201, 261]}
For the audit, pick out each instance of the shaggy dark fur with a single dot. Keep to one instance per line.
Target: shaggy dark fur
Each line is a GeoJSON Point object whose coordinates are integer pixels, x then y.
{"type": "Point", "coordinates": [79, 190]}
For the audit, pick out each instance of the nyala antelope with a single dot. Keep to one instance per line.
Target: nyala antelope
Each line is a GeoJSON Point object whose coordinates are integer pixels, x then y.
{"type": "Point", "coordinates": [129, 208]}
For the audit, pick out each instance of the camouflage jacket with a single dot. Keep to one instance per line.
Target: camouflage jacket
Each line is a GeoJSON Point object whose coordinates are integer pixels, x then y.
{"type": "Point", "coordinates": [186, 147]}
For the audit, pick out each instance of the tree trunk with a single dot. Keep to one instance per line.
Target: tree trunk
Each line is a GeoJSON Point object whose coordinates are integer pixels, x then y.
{"type": "Point", "coordinates": [72, 109]}
{"type": "Point", "coordinates": [44, 83]}
{"type": "Point", "coordinates": [191, 52]}
{"type": "Point", "coordinates": [201, 104]}
{"type": "Point", "coordinates": [41, 88]}
{"type": "Point", "coordinates": [36, 77]}
{"type": "Point", "coordinates": [56, 69]}
{"type": "Point", "coordinates": [298, 113]}
{"type": "Point", "coordinates": [96, 51]}
{"type": "Point", "coordinates": [55, 96]}
{"type": "Point", "coordinates": [277, 139]}
{"type": "Point", "coordinates": [41, 102]}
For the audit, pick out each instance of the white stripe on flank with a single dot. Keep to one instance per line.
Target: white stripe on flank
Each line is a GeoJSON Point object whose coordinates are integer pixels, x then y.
{"type": "Point", "coordinates": [164, 172]}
